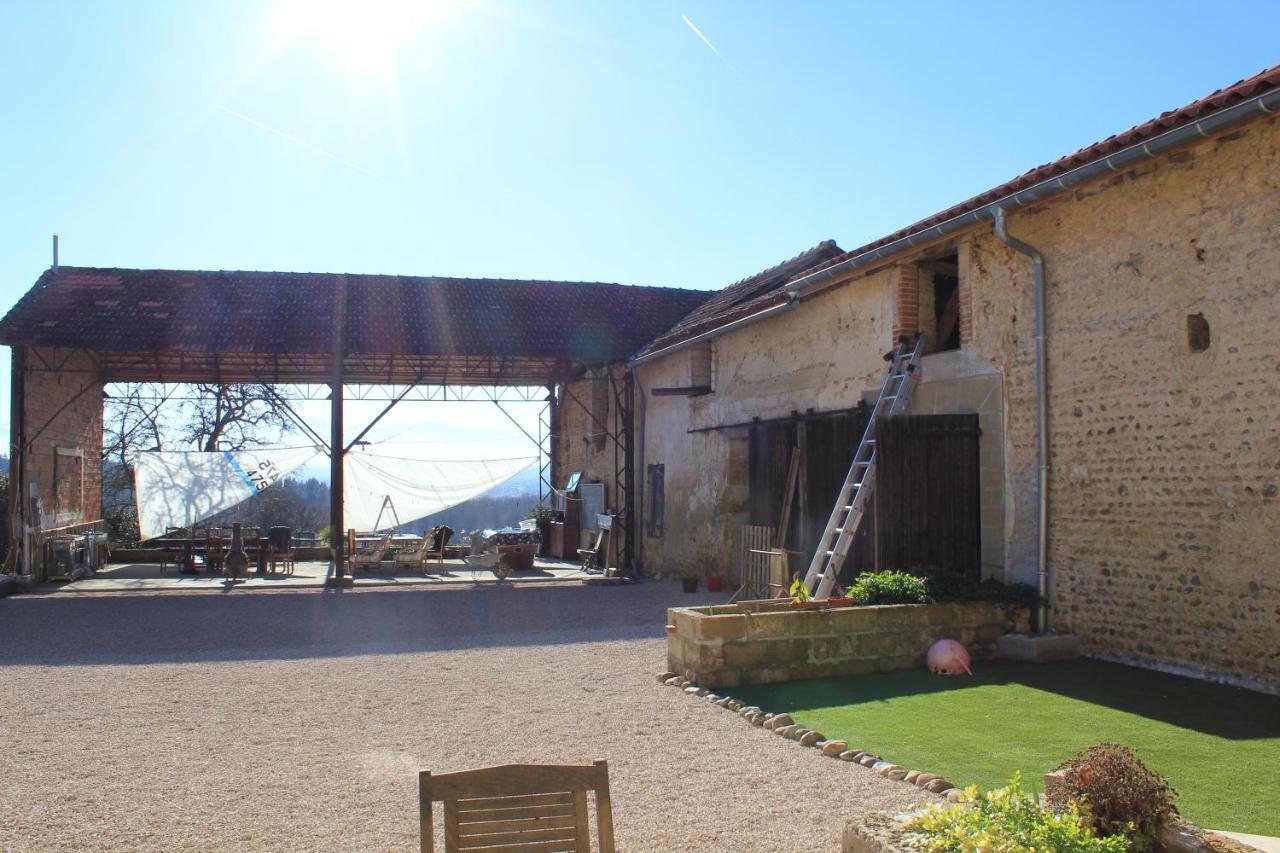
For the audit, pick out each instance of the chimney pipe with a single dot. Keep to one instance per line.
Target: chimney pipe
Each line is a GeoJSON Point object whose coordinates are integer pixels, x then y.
{"type": "Point", "coordinates": [55, 252]}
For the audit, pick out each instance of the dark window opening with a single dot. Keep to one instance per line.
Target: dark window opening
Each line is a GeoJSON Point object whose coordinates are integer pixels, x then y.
{"type": "Point", "coordinates": [656, 510]}
{"type": "Point", "coordinates": [946, 303]}
{"type": "Point", "coordinates": [1197, 332]}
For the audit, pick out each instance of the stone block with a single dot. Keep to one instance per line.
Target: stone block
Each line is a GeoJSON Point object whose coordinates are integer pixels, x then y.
{"type": "Point", "coordinates": [1038, 648]}
{"type": "Point", "coordinates": [721, 627]}
{"type": "Point", "coordinates": [830, 648]}
{"type": "Point", "coordinates": [852, 620]}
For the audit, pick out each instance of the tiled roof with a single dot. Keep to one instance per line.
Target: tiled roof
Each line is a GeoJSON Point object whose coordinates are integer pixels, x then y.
{"type": "Point", "coordinates": [274, 312]}
{"type": "Point", "coordinates": [747, 296]}
{"type": "Point", "coordinates": [1247, 88]}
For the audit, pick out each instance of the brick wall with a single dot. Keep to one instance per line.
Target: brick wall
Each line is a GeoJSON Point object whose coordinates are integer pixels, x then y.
{"type": "Point", "coordinates": [63, 430]}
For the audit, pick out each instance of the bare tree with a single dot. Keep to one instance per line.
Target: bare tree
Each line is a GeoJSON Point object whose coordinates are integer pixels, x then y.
{"type": "Point", "coordinates": [233, 417]}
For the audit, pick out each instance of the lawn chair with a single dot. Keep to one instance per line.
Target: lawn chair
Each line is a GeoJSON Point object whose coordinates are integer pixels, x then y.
{"type": "Point", "coordinates": [598, 553]}
{"type": "Point", "coordinates": [371, 556]}
{"type": "Point", "coordinates": [414, 556]}
{"type": "Point", "coordinates": [280, 548]}
{"type": "Point", "coordinates": [517, 807]}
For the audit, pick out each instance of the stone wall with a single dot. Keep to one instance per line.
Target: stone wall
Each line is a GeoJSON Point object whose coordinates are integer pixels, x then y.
{"type": "Point", "coordinates": [765, 642]}
{"type": "Point", "coordinates": [1165, 485]}
{"type": "Point", "coordinates": [580, 444]}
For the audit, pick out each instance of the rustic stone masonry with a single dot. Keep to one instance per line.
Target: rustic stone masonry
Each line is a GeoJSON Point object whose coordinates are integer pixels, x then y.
{"type": "Point", "coordinates": [761, 642]}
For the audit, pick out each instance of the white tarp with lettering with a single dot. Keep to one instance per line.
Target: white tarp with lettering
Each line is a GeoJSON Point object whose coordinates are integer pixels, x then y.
{"type": "Point", "coordinates": [178, 488]}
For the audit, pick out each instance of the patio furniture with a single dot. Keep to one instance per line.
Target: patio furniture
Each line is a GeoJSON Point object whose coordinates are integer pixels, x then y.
{"type": "Point", "coordinates": [280, 548]}
{"type": "Point", "coordinates": [214, 549]}
{"type": "Point", "coordinates": [413, 555]}
{"type": "Point", "coordinates": [517, 807]}
{"type": "Point", "coordinates": [439, 539]}
{"type": "Point", "coordinates": [599, 551]}
{"type": "Point", "coordinates": [371, 555]}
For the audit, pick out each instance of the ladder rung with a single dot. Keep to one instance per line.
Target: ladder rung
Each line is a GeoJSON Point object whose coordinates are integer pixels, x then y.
{"type": "Point", "coordinates": [889, 397]}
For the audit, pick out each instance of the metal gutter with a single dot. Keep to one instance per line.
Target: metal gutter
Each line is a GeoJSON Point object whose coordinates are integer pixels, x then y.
{"type": "Point", "coordinates": [1126, 158]}
{"type": "Point", "coordinates": [1042, 414]}
{"type": "Point", "coordinates": [741, 322]}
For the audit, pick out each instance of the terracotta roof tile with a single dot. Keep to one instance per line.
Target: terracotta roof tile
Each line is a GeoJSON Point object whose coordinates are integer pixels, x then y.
{"type": "Point", "coordinates": [275, 312]}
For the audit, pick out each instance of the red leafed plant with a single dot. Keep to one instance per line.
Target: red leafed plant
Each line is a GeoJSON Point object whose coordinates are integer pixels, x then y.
{"type": "Point", "coordinates": [1117, 794]}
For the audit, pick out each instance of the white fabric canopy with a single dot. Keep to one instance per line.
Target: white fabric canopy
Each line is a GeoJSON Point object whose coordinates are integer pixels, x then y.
{"type": "Point", "coordinates": [178, 488]}
{"type": "Point", "coordinates": [418, 487]}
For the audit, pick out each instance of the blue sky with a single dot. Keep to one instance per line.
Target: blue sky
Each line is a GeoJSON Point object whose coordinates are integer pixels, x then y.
{"type": "Point", "coordinates": [584, 141]}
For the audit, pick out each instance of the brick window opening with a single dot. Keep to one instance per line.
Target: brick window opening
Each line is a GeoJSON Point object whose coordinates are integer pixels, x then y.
{"type": "Point", "coordinates": [1197, 332]}
{"type": "Point", "coordinates": [940, 298]}
{"type": "Point", "coordinates": [656, 510]}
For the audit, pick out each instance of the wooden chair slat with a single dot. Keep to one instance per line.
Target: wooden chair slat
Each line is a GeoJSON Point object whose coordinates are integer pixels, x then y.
{"type": "Point", "coordinates": [476, 827]}
{"type": "Point", "coordinates": [516, 801]}
{"type": "Point", "coordinates": [521, 813]}
{"type": "Point", "coordinates": [493, 839]}
{"type": "Point", "coordinates": [512, 779]}
{"type": "Point", "coordinates": [528, 847]}
{"type": "Point", "coordinates": [583, 835]}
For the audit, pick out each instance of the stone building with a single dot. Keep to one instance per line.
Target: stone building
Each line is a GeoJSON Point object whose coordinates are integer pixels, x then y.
{"type": "Point", "coordinates": [1161, 253]}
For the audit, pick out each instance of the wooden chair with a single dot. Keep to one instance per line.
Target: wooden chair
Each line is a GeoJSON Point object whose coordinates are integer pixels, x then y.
{"type": "Point", "coordinates": [215, 549]}
{"type": "Point", "coordinates": [280, 549]}
{"type": "Point", "coordinates": [439, 539]}
{"type": "Point", "coordinates": [414, 557]}
{"type": "Point", "coordinates": [522, 807]}
{"type": "Point", "coordinates": [599, 550]}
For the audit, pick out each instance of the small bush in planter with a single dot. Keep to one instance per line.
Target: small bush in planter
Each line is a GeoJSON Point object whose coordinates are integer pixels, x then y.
{"type": "Point", "coordinates": [889, 588]}
{"type": "Point", "coordinates": [1117, 794]}
{"type": "Point", "coordinates": [1007, 819]}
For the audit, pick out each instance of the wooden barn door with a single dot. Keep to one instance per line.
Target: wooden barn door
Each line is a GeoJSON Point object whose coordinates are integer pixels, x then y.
{"type": "Point", "coordinates": [927, 493]}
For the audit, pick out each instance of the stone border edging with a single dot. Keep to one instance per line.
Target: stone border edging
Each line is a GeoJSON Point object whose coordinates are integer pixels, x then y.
{"type": "Point", "coordinates": [784, 726]}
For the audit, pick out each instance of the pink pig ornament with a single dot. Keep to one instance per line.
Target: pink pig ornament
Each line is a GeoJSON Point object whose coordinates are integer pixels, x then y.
{"type": "Point", "coordinates": [948, 657]}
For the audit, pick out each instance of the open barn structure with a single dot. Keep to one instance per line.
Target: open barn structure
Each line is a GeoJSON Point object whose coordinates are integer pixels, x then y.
{"type": "Point", "coordinates": [80, 329]}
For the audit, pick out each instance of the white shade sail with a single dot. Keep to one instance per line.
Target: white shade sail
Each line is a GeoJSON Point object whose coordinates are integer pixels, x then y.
{"type": "Point", "coordinates": [180, 488]}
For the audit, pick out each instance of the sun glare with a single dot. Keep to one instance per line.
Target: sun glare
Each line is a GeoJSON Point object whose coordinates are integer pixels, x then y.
{"type": "Point", "coordinates": [365, 36]}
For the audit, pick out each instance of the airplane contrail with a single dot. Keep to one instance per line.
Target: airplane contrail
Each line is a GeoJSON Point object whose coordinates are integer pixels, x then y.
{"type": "Point", "coordinates": [707, 42]}
{"type": "Point", "coordinates": [296, 141]}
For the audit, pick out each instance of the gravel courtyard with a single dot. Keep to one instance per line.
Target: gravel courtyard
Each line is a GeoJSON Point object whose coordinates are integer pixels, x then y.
{"type": "Point", "coordinates": [297, 720]}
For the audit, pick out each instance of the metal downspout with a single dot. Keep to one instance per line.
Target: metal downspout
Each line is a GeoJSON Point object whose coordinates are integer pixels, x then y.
{"type": "Point", "coordinates": [1042, 412]}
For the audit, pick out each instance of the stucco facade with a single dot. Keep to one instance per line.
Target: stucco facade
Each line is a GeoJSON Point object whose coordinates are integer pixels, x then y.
{"type": "Point", "coordinates": [1165, 456]}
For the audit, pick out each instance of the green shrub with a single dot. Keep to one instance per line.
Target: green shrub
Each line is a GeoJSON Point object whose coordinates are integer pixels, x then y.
{"type": "Point", "coordinates": [1117, 794]}
{"type": "Point", "coordinates": [889, 588]}
{"type": "Point", "coordinates": [1008, 820]}
{"type": "Point", "coordinates": [950, 585]}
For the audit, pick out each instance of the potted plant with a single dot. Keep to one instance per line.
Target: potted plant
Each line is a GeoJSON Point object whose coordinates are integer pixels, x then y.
{"type": "Point", "coordinates": [800, 598]}
{"type": "Point", "coordinates": [689, 582]}
{"type": "Point", "coordinates": [542, 517]}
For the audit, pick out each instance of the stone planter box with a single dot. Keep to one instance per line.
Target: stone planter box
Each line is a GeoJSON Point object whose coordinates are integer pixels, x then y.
{"type": "Point", "coordinates": [761, 642]}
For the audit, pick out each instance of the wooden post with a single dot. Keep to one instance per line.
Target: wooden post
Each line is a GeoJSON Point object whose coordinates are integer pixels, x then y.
{"type": "Point", "coordinates": [337, 441]}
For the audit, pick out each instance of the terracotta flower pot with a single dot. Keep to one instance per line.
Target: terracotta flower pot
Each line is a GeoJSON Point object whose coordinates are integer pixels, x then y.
{"type": "Point", "coordinates": [715, 583]}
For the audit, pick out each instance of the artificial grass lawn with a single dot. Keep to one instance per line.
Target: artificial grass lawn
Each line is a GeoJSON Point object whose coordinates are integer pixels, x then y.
{"type": "Point", "coordinates": [1218, 746]}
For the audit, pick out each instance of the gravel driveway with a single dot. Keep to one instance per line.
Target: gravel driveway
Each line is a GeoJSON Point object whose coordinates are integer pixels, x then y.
{"type": "Point", "coordinates": [296, 720]}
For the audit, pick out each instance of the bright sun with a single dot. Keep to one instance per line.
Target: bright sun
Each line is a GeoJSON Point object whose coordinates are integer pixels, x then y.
{"type": "Point", "coordinates": [366, 36]}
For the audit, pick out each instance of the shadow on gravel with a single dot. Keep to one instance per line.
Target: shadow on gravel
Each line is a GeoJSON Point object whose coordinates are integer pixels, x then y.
{"type": "Point", "coordinates": [103, 629]}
